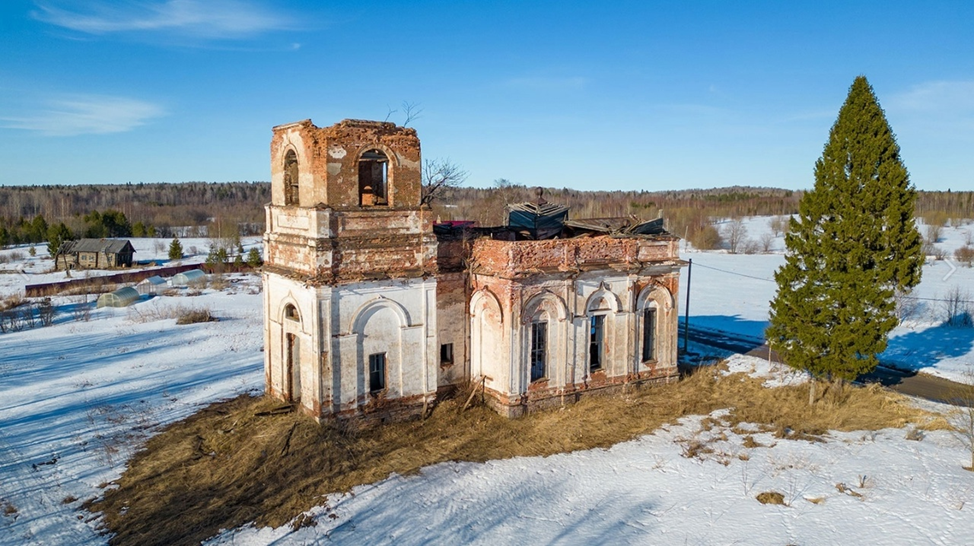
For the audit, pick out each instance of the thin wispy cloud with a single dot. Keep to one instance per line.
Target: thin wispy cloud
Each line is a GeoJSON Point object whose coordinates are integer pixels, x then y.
{"type": "Point", "coordinates": [85, 115]}
{"type": "Point", "coordinates": [936, 96]}
{"type": "Point", "coordinates": [202, 19]}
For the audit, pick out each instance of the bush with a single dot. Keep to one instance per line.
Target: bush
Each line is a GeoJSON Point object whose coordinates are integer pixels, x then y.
{"type": "Point", "coordinates": [193, 315]}
{"type": "Point", "coordinates": [965, 255]}
{"type": "Point", "coordinates": [705, 238]}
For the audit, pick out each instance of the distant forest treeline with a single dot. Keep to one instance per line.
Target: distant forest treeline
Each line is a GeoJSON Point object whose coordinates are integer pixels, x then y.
{"type": "Point", "coordinates": [141, 209]}
{"type": "Point", "coordinates": [159, 209]}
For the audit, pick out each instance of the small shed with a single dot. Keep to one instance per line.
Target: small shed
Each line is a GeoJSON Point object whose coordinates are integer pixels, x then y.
{"type": "Point", "coordinates": [188, 277]}
{"type": "Point", "coordinates": [122, 297]}
{"type": "Point", "coordinates": [152, 285]}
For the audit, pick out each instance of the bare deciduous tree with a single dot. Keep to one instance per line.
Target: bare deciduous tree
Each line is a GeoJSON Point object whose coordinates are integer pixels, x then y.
{"type": "Point", "coordinates": [767, 239]}
{"type": "Point", "coordinates": [778, 225]}
{"type": "Point", "coordinates": [957, 308]}
{"type": "Point", "coordinates": [440, 175]}
{"type": "Point", "coordinates": [735, 233]}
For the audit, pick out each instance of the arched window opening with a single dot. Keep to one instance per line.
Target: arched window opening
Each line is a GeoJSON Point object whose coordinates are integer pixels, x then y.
{"type": "Point", "coordinates": [539, 348]}
{"type": "Point", "coordinates": [373, 178]}
{"type": "Point", "coordinates": [291, 312]}
{"type": "Point", "coordinates": [596, 339]}
{"type": "Point", "coordinates": [649, 333]}
{"type": "Point", "coordinates": [291, 178]}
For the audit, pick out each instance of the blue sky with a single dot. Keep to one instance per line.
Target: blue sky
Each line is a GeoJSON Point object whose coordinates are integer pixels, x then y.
{"type": "Point", "coordinates": [595, 95]}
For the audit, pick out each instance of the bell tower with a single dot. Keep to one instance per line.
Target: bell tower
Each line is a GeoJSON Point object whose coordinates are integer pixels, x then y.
{"type": "Point", "coordinates": [349, 274]}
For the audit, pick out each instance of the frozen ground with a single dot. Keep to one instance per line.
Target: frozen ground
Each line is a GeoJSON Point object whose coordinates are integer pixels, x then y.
{"type": "Point", "coordinates": [78, 397]}
{"type": "Point", "coordinates": [731, 292]}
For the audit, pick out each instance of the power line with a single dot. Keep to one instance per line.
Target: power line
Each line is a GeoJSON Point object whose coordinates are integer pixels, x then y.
{"type": "Point", "coordinates": [733, 273]}
{"type": "Point", "coordinates": [915, 298]}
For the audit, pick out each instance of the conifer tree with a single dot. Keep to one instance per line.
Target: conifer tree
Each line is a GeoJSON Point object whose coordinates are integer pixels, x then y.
{"type": "Point", "coordinates": [175, 249]}
{"type": "Point", "coordinates": [56, 235]}
{"type": "Point", "coordinates": [853, 245]}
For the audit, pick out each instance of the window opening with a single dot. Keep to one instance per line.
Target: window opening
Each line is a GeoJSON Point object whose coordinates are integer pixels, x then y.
{"type": "Point", "coordinates": [377, 372]}
{"type": "Point", "coordinates": [291, 312]}
{"type": "Point", "coordinates": [649, 334]}
{"type": "Point", "coordinates": [290, 178]}
{"type": "Point", "coordinates": [373, 178]}
{"type": "Point", "coordinates": [293, 366]}
{"type": "Point", "coordinates": [595, 348]}
{"type": "Point", "coordinates": [539, 349]}
{"type": "Point", "coordinates": [446, 354]}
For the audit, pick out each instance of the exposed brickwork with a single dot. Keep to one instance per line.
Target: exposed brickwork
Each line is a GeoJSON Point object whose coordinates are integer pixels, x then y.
{"type": "Point", "coordinates": [521, 258]}
{"type": "Point", "coordinates": [328, 161]}
{"type": "Point", "coordinates": [379, 304]}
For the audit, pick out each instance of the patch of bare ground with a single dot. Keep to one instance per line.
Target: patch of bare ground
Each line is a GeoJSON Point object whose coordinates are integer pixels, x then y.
{"type": "Point", "coordinates": [244, 460]}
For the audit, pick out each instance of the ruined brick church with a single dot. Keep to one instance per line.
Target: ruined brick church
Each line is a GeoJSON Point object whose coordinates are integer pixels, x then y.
{"type": "Point", "coordinates": [370, 304]}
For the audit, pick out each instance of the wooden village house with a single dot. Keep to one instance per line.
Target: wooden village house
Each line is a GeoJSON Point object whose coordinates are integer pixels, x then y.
{"type": "Point", "coordinates": [370, 305]}
{"type": "Point", "coordinates": [94, 254]}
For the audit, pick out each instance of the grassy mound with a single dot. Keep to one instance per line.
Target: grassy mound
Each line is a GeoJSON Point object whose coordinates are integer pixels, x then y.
{"type": "Point", "coordinates": [244, 460]}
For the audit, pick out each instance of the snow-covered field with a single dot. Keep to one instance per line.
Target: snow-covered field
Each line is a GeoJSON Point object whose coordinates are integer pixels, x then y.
{"type": "Point", "coordinates": [731, 292]}
{"type": "Point", "coordinates": [77, 397]}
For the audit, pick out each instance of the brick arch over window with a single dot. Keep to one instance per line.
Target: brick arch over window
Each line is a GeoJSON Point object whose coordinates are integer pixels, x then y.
{"type": "Point", "coordinates": [291, 177]}
{"type": "Point", "coordinates": [603, 299]}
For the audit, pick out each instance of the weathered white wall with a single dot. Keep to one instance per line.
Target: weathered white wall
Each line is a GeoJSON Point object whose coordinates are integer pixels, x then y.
{"type": "Point", "coordinates": [501, 345]}
{"type": "Point", "coordinates": [395, 317]}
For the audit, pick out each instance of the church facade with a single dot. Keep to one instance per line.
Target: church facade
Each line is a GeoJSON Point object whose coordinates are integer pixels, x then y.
{"type": "Point", "coordinates": [371, 310]}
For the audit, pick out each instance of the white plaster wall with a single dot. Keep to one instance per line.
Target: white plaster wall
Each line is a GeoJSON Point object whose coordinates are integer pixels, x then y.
{"type": "Point", "coordinates": [280, 292]}
{"type": "Point", "coordinates": [490, 334]}
{"type": "Point", "coordinates": [396, 317]}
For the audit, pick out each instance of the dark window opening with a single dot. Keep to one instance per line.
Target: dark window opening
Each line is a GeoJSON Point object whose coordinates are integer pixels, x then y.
{"type": "Point", "coordinates": [446, 354]}
{"type": "Point", "coordinates": [373, 177]}
{"type": "Point", "coordinates": [649, 334]}
{"type": "Point", "coordinates": [293, 367]}
{"type": "Point", "coordinates": [377, 372]}
{"type": "Point", "coordinates": [290, 178]}
{"type": "Point", "coordinates": [291, 312]}
{"type": "Point", "coordinates": [539, 350]}
{"type": "Point", "coordinates": [596, 346]}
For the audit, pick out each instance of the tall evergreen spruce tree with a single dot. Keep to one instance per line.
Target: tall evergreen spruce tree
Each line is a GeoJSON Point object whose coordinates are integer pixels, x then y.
{"type": "Point", "coordinates": [853, 245]}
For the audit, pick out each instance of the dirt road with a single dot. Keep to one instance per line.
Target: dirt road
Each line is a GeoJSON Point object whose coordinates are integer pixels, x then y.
{"type": "Point", "coordinates": [910, 383]}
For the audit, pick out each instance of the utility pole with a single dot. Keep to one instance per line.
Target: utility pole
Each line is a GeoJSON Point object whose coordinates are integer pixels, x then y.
{"type": "Point", "coordinates": [686, 311]}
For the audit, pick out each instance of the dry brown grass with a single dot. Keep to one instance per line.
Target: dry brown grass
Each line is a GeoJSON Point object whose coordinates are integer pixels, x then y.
{"type": "Point", "coordinates": [771, 497]}
{"type": "Point", "coordinates": [194, 315]}
{"type": "Point", "coordinates": [239, 461]}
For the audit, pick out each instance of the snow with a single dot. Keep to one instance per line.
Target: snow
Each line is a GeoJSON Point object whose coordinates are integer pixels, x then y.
{"type": "Point", "coordinates": [647, 492]}
{"type": "Point", "coordinates": [77, 399]}
{"type": "Point", "coordinates": [732, 293]}
{"type": "Point", "coordinates": [83, 395]}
